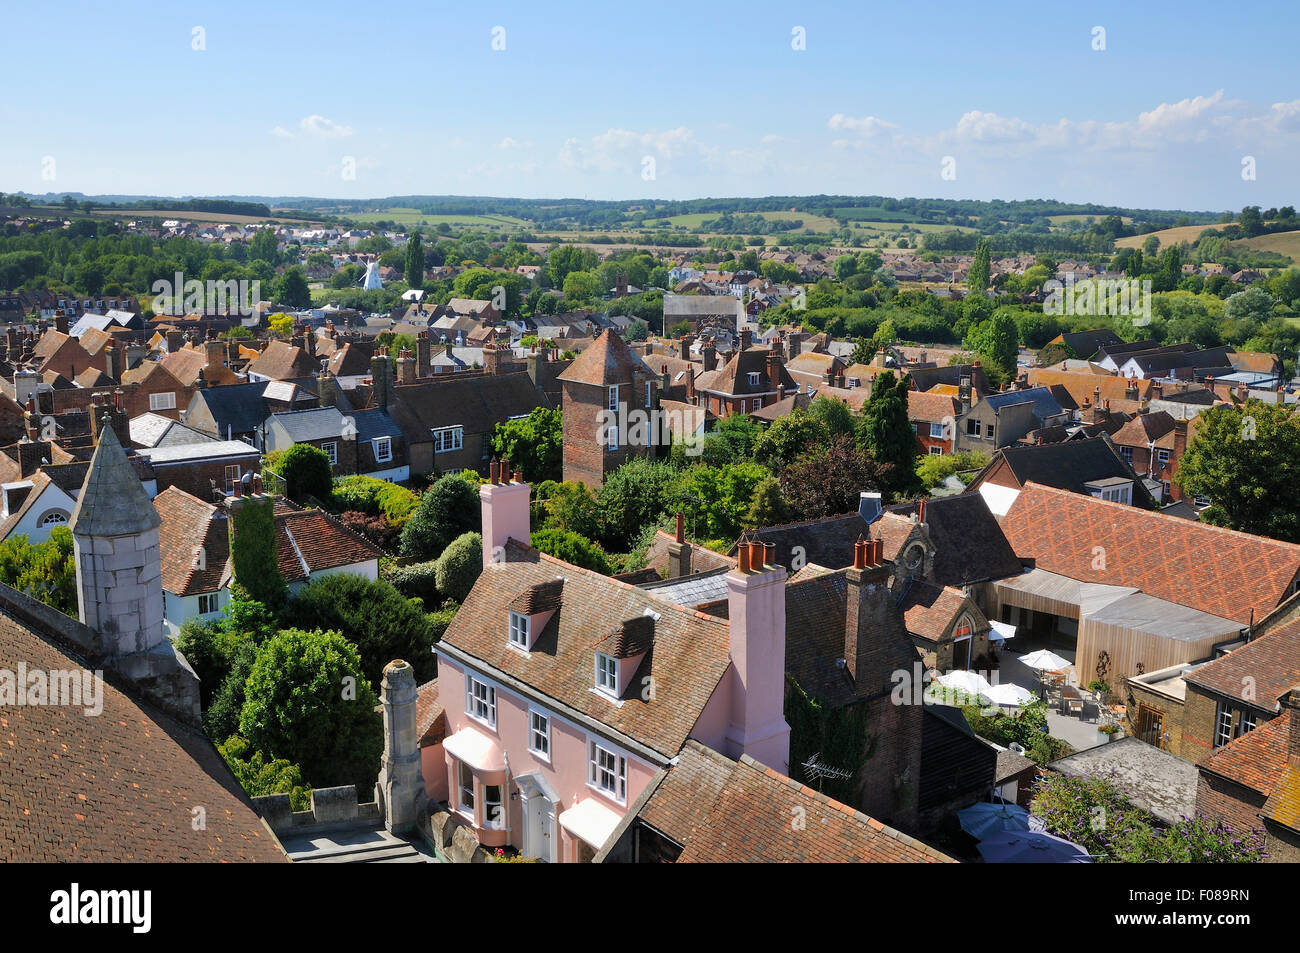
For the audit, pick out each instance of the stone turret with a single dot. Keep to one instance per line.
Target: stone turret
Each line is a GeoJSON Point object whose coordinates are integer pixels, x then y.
{"type": "Point", "coordinates": [400, 792]}
{"type": "Point", "coordinates": [119, 579]}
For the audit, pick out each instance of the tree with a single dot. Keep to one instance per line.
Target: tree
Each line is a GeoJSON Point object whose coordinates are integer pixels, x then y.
{"type": "Point", "coordinates": [572, 548]}
{"type": "Point", "coordinates": [732, 441]}
{"type": "Point", "coordinates": [767, 507]}
{"type": "Point", "coordinates": [885, 429]}
{"type": "Point", "coordinates": [977, 279]}
{"type": "Point", "coordinates": [1253, 304]}
{"type": "Point", "coordinates": [1246, 461]}
{"type": "Point", "coordinates": [414, 261]}
{"type": "Point", "coordinates": [535, 444]}
{"type": "Point", "coordinates": [834, 415]}
{"type": "Point", "coordinates": [264, 247]}
{"type": "Point", "coordinates": [632, 497]}
{"type": "Point", "coordinates": [569, 506]}
{"type": "Point", "coordinates": [45, 571]}
{"type": "Point", "coordinates": [581, 286]}
{"type": "Point", "coordinates": [828, 480]}
{"type": "Point", "coordinates": [459, 566]}
{"type": "Point", "coordinates": [281, 324]}
{"type": "Point", "coordinates": [996, 342]}
{"type": "Point", "coordinates": [372, 615]}
{"type": "Point", "coordinates": [306, 471]}
{"type": "Point", "coordinates": [787, 438]}
{"type": "Point", "coordinates": [308, 701]}
{"type": "Point", "coordinates": [717, 499]}
{"type": "Point", "coordinates": [448, 508]}
{"type": "Point", "coordinates": [292, 289]}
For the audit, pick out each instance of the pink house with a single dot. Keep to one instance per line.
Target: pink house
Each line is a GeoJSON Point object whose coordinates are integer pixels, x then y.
{"type": "Point", "coordinates": [564, 692]}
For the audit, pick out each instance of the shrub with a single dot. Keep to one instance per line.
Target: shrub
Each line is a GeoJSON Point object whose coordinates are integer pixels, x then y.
{"type": "Point", "coordinates": [306, 472]}
{"type": "Point", "coordinates": [259, 775]}
{"type": "Point", "coordinates": [357, 493]}
{"type": "Point", "coordinates": [45, 571]}
{"type": "Point", "coordinates": [374, 528]}
{"type": "Point", "coordinates": [572, 548]}
{"type": "Point", "coordinates": [308, 702]}
{"type": "Point", "coordinates": [417, 581]}
{"type": "Point", "coordinates": [459, 566]}
{"type": "Point", "coordinates": [448, 508]}
{"type": "Point", "coordinates": [372, 615]}
{"type": "Point", "coordinates": [221, 719]}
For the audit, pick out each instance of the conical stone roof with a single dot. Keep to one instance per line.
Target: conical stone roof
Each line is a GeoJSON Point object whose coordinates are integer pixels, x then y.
{"type": "Point", "coordinates": [113, 502]}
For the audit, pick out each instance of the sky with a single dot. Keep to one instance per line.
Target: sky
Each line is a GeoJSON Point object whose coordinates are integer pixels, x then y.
{"type": "Point", "coordinates": [1185, 105]}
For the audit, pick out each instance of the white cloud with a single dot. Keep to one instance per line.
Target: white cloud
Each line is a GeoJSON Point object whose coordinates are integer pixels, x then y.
{"type": "Point", "coordinates": [281, 133]}
{"type": "Point", "coordinates": [866, 126]}
{"type": "Point", "coordinates": [509, 143]}
{"type": "Point", "coordinates": [624, 149]}
{"type": "Point", "coordinates": [318, 127]}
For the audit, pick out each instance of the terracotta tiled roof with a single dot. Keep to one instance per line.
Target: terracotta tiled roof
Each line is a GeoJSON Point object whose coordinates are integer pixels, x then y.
{"type": "Point", "coordinates": [186, 363]}
{"type": "Point", "coordinates": [607, 361]}
{"type": "Point", "coordinates": [702, 558]}
{"type": "Point", "coordinates": [281, 361]}
{"type": "Point", "coordinates": [1257, 759]}
{"type": "Point", "coordinates": [725, 811]}
{"type": "Point", "coordinates": [930, 610]}
{"type": "Point", "coordinates": [1082, 386]}
{"type": "Point", "coordinates": [1269, 665]}
{"type": "Point", "coordinates": [1219, 571]}
{"type": "Point", "coordinates": [120, 786]}
{"type": "Point", "coordinates": [689, 658]}
{"type": "Point", "coordinates": [188, 522]}
{"type": "Point", "coordinates": [934, 408]}
{"type": "Point", "coordinates": [321, 541]}
{"type": "Point", "coordinates": [430, 717]}
{"type": "Point", "coordinates": [1144, 429]}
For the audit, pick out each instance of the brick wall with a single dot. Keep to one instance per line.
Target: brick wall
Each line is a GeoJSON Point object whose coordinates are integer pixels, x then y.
{"type": "Point", "coordinates": [891, 777]}
{"type": "Point", "coordinates": [1238, 806]}
{"type": "Point", "coordinates": [193, 477]}
{"type": "Point", "coordinates": [1172, 712]}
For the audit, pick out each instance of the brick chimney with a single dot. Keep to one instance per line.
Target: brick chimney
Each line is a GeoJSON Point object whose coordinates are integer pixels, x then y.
{"type": "Point", "coordinates": [710, 355]}
{"type": "Point", "coordinates": [504, 499]}
{"type": "Point", "coordinates": [423, 355]}
{"type": "Point", "coordinates": [61, 322]}
{"type": "Point", "coordinates": [685, 346]}
{"type": "Point", "coordinates": [493, 358]}
{"type": "Point", "coordinates": [878, 651]}
{"type": "Point", "coordinates": [690, 384]}
{"type": "Point", "coordinates": [796, 345]}
{"type": "Point", "coordinates": [106, 411]}
{"type": "Point", "coordinates": [381, 374]}
{"type": "Point", "coordinates": [746, 339]}
{"type": "Point", "coordinates": [679, 552]}
{"type": "Point", "coordinates": [405, 367]}
{"type": "Point", "coordinates": [327, 387]}
{"type": "Point", "coordinates": [216, 352]}
{"type": "Point", "coordinates": [756, 622]}
{"type": "Point", "coordinates": [115, 361]}
{"type": "Point", "coordinates": [773, 369]}
{"type": "Point", "coordinates": [175, 341]}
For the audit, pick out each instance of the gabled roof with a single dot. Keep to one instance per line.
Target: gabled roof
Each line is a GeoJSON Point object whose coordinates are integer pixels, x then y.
{"type": "Point", "coordinates": [1256, 759]}
{"type": "Point", "coordinates": [477, 402]}
{"type": "Point", "coordinates": [301, 426]}
{"type": "Point", "coordinates": [969, 546]}
{"type": "Point", "coordinates": [1218, 571]}
{"type": "Point", "coordinates": [1265, 667]}
{"type": "Point", "coordinates": [1070, 465]}
{"type": "Point", "coordinates": [931, 407]}
{"type": "Point", "coordinates": [608, 360]}
{"type": "Point", "coordinates": [1045, 404]}
{"type": "Point", "coordinates": [118, 787]}
{"type": "Point", "coordinates": [283, 361]}
{"type": "Point", "coordinates": [930, 610]}
{"type": "Point", "coordinates": [188, 522]}
{"type": "Point", "coordinates": [689, 658]}
{"type": "Point", "coordinates": [725, 811]}
{"type": "Point", "coordinates": [739, 811]}
{"type": "Point", "coordinates": [186, 364]}
{"type": "Point", "coordinates": [733, 377]}
{"type": "Point", "coordinates": [1144, 429]}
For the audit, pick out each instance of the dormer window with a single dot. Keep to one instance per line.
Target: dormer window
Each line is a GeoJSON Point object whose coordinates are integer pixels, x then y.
{"type": "Point", "coordinates": [519, 631]}
{"type": "Point", "coordinates": [753, 378]}
{"type": "Point", "coordinates": [606, 675]}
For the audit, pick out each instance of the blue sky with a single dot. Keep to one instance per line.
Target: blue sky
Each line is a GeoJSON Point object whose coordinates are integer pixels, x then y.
{"type": "Point", "coordinates": [286, 96]}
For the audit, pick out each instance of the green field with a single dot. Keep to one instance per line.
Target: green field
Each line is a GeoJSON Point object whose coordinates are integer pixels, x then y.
{"type": "Point", "coordinates": [413, 216]}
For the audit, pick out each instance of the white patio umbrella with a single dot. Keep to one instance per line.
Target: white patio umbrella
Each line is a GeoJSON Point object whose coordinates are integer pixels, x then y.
{"type": "Point", "coordinates": [1009, 694]}
{"type": "Point", "coordinates": [1031, 847]}
{"type": "Point", "coordinates": [972, 683]}
{"type": "Point", "coordinates": [1001, 631]}
{"type": "Point", "coordinates": [984, 820]}
{"type": "Point", "coordinates": [1045, 661]}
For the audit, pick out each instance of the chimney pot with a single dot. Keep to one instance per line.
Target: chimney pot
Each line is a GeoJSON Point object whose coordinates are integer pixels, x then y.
{"type": "Point", "coordinates": [681, 528]}
{"type": "Point", "coordinates": [742, 557]}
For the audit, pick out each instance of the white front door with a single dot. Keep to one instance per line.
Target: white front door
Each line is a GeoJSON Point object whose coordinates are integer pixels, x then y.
{"type": "Point", "coordinates": [539, 820]}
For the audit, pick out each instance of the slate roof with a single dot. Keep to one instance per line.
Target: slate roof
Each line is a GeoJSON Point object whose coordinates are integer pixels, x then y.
{"type": "Point", "coordinates": [689, 658]}
{"type": "Point", "coordinates": [814, 637]}
{"type": "Point", "coordinates": [969, 545]}
{"type": "Point", "coordinates": [477, 402]}
{"type": "Point", "coordinates": [702, 558]}
{"type": "Point", "coordinates": [725, 811]}
{"type": "Point", "coordinates": [1149, 777]}
{"type": "Point", "coordinates": [301, 426]}
{"type": "Point", "coordinates": [1070, 465]}
{"type": "Point", "coordinates": [1045, 403]}
{"type": "Point", "coordinates": [827, 541]}
{"type": "Point", "coordinates": [113, 502]}
{"type": "Point", "coordinates": [116, 787]}
{"type": "Point", "coordinates": [1218, 571]}
{"type": "Point", "coordinates": [188, 452]}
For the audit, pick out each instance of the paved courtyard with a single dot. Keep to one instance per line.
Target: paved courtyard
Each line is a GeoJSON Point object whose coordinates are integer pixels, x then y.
{"type": "Point", "coordinates": [1078, 734]}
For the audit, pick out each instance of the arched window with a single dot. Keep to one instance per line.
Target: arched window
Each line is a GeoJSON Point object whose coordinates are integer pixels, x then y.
{"type": "Point", "coordinates": [54, 518]}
